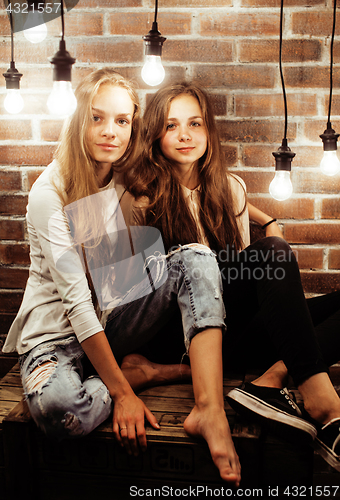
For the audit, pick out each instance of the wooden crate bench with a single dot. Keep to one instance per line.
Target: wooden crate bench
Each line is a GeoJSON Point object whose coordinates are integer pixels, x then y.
{"type": "Point", "coordinates": [95, 467]}
{"type": "Point", "coordinates": [10, 396]}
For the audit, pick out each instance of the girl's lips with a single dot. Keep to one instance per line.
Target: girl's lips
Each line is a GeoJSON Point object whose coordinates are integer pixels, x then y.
{"type": "Point", "coordinates": [107, 147]}
{"type": "Point", "coordinates": [185, 150]}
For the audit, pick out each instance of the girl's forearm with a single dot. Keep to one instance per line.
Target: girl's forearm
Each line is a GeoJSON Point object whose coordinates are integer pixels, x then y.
{"type": "Point", "coordinates": [261, 218]}
{"type": "Point", "coordinates": [257, 215]}
{"type": "Point", "coordinates": [98, 350]}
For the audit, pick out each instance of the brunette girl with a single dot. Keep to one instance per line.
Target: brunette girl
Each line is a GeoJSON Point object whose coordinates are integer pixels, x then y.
{"type": "Point", "coordinates": [190, 196]}
{"type": "Point", "coordinates": [77, 287]}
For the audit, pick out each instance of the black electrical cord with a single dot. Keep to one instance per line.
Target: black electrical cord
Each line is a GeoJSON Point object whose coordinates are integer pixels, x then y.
{"type": "Point", "coordinates": [329, 137]}
{"type": "Point", "coordinates": [281, 73]}
{"type": "Point", "coordinates": [156, 11]}
{"type": "Point", "coordinates": [62, 20]}
{"type": "Point", "coordinates": [62, 60]}
{"type": "Point", "coordinates": [154, 40]}
{"type": "Point", "coordinates": [331, 69]}
{"type": "Point", "coordinates": [11, 23]}
{"type": "Point", "coordinates": [12, 75]}
{"type": "Point", "coordinates": [284, 155]}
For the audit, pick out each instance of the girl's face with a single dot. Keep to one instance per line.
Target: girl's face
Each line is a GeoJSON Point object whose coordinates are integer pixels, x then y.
{"type": "Point", "coordinates": [109, 132]}
{"type": "Point", "coordinates": [185, 140]}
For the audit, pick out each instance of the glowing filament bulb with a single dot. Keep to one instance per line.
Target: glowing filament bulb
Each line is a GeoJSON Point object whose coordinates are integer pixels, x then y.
{"type": "Point", "coordinates": [13, 101]}
{"type": "Point", "coordinates": [281, 187]}
{"type": "Point", "coordinates": [62, 100]}
{"type": "Point", "coordinates": [35, 29]}
{"type": "Point", "coordinates": [153, 72]}
{"type": "Point", "coordinates": [330, 164]}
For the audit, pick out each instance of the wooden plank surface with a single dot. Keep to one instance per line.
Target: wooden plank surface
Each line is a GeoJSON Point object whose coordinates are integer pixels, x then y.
{"type": "Point", "coordinates": [5, 408]}
{"type": "Point", "coordinates": [172, 454]}
{"type": "Point", "coordinates": [10, 392]}
{"type": "Point", "coordinates": [12, 378]}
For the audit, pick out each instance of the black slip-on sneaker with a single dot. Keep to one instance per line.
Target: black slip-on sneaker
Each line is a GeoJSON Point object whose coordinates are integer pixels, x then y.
{"type": "Point", "coordinates": [273, 408]}
{"type": "Point", "coordinates": [327, 443]}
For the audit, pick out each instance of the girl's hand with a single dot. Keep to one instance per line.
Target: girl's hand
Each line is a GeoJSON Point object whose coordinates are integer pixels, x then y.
{"type": "Point", "coordinates": [129, 413]}
{"type": "Point", "coordinates": [274, 230]}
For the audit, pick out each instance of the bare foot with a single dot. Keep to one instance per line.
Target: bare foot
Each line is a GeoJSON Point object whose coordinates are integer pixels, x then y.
{"type": "Point", "coordinates": [212, 425]}
{"type": "Point", "coordinates": [276, 376]}
{"type": "Point", "coordinates": [142, 373]}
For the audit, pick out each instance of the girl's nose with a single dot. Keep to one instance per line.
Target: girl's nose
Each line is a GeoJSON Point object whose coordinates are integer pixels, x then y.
{"type": "Point", "coordinates": [184, 134]}
{"type": "Point", "coordinates": [108, 129]}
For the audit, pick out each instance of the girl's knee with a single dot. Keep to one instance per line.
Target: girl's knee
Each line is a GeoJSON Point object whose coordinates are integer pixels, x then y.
{"type": "Point", "coordinates": [201, 265]}
{"type": "Point", "coordinates": [279, 248]}
{"type": "Point", "coordinates": [54, 415]}
{"type": "Point", "coordinates": [68, 411]}
{"type": "Point", "coordinates": [196, 252]}
{"type": "Point", "coordinates": [53, 406]}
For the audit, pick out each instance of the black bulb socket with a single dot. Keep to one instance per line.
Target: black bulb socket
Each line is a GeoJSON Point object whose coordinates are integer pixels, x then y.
{"type": "Point", "coordinates": [12, 77]}
{"type": "Point", "coordinates": [283, 157]}
{"type": "Point", "coordinates": [153, 42]}
{"type": "Point", "coordinates": [329, 139]}
{"type": "Point", "coordinates": [62, 62]}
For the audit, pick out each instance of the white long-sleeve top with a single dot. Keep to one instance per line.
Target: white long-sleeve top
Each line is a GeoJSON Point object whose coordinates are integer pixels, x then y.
{"type": "Point", "coordinates": [57, 300]}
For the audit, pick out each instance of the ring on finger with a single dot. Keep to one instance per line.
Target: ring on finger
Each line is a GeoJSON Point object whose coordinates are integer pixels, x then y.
{"type": "Point", "coordinates": [122, 428]}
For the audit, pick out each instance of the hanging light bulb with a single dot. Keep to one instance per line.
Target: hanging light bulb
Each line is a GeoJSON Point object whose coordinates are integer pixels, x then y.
{"type": "Point", "coordinates": [35, 29]}
{"type": "Point", "coordinates": [153, 72]}
{"type": "Point", "coordinates": [14, 102]}
{"type": "Point", "coordinates": [62, 100]}
{"type": "Point", "coordinates": [330, 164]}
{"type": "Point", "coordinates": [35, 34]}
{"type": "Point", "coordinates": [281, 187]}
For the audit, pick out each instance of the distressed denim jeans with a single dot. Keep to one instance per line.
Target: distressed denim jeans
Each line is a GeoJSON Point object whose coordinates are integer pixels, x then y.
{"type": "Point", "coordinates": [61, 402]}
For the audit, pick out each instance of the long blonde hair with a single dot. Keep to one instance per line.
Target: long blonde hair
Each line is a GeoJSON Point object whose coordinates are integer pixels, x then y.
{"type": "Point", "coordinates": [77, 169]}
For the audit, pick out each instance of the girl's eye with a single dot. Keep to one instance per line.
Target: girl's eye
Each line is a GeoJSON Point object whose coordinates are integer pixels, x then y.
{"type": "Point", "coordinates": [195, 124]}
{"type": "Point", "coordinates": [170, 126]}
{"type": "Point", "coordinates": [122, 121]}
{"type": "Point", "coordinates": [95, 118]}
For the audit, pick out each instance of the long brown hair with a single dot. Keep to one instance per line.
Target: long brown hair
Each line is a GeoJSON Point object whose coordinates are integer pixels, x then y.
{"type": "Point", "coordinates": [154, 177]}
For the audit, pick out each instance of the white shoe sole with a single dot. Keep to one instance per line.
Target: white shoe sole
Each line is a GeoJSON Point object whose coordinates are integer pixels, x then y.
{"type": "Point", "coordinates": [327, 454]}
{"type": "Point", "coordinates": [266, 411]}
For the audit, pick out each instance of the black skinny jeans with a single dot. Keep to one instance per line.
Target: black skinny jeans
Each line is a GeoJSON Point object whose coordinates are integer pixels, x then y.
{"type": "Point", "coordinates": [265, 305]}
{"type": "Point", "coordinates": [267, 316]}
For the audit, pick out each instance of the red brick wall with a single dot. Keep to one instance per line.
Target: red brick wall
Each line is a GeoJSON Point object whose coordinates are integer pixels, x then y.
{"type": "Point", "coordinates": [231, 47]}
